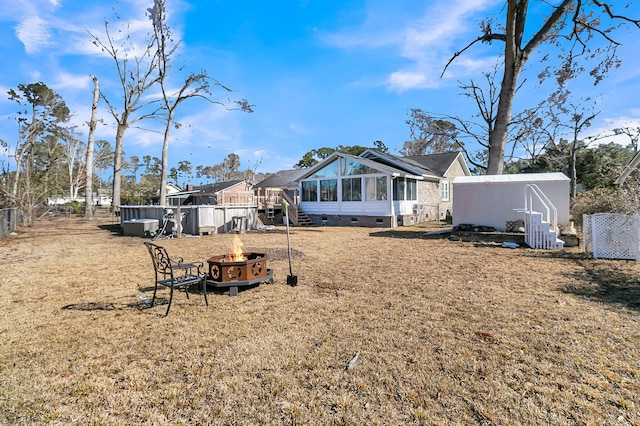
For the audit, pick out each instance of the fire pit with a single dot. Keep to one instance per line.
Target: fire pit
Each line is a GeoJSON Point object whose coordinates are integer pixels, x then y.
{"type": "Point", "coordinates": [225, 269]}
{"type": "Point", "coordinates": [238, 269]}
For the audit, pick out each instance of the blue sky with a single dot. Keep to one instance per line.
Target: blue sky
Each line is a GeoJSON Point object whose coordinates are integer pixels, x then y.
{"type": "Point", "coordinates": [320, 73]}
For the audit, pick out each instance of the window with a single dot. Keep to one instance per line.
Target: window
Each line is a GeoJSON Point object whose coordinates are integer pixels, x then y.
{"type": "Point", "coordinates": [330, 170]}
{"type": "Point", "coordinates": [352, 167]}
{"type": "Point", "coordinates": [445, 190]}
{"type": "Point", "coordinates": [352, 189]}
{"type": "Point", "coordinates": [329, 190]}
{"type": "Point", "coordinates": [412, 189]}
{"type": "Point", "coordinates": [310, 190]}
{"type": "Point", "coordinates": [398, 189]}
{"type": "Point", "coordinates": [376, 188]}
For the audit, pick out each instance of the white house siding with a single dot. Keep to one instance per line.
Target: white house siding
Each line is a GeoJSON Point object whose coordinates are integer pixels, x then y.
{"type": "Point", "coordinates": [491, 200]}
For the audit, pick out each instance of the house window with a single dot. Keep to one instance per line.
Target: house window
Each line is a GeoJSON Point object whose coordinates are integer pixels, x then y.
{"type": "Point", "coordinates": [310, 190]}
{"type": "Point", "coordinates": [445, 190]}
{"type": "Point", "coordinates": [329, 190]}
{"type": "Point", "coordinates": [330, 170]}
{"type": "Point", "coordinates": [352, 189]}
{"type": "Point", "coordinates": [352, 167]}
{"type": "Point", "coordinates": [376, 188]}
{"type": "Point", "coordinates": [398, 189]}
{"type": "Point", "coordinates": [412, 189]}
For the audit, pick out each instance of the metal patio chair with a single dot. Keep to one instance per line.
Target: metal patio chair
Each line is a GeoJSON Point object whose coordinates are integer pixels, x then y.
{"type": "Point", "coordinates": [174, 273]}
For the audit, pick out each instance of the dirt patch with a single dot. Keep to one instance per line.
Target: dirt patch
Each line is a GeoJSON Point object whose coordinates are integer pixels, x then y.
{"type": "Point", "coordinates": [446, 333]}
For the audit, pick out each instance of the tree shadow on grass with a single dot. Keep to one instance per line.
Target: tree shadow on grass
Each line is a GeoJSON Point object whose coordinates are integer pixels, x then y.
{"type": "Point", "coordinates": [110, 306]}
{"type": "Point", "coordinates": [114, 228]}
{"type": "Point", "coordinates": [600, 282]}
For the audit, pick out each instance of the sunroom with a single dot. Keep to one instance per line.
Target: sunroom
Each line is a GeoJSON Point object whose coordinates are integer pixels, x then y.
{"type": "Point", "coordinates": [348, 190]}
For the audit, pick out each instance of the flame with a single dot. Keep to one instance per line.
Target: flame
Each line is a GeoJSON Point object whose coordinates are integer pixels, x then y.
{"type": "Point", "coordinates": [236, 250]}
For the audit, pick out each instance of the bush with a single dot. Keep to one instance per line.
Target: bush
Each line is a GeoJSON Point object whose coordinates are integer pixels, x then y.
{"type": "Point", "coordinates": [74, 207]}
{"type": "Point", "coordinates": [625, 200]}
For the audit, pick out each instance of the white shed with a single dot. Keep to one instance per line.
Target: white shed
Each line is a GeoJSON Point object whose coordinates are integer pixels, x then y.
{"type": "Point", "coordinates": [491, 200]}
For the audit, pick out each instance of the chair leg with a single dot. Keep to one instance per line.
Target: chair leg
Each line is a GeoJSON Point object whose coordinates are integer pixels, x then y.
{"type": "Point", "coordinates": [204, 289]}
{"type": "Point", "coordinates": [170, 300]}
{"type": "Point", "coordinates": [153, 300]}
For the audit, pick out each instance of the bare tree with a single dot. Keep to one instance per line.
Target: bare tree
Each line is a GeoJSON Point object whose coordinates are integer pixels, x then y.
{"type": "Point", "coordinates": [88, 185]}
{"type": "Point", "coordinates": [74, 151]}
{"type": "Point", "coordinates": [136, 74]}
{"type": "Point", "coordinates": [429, 135]}
{"type": "Point", "coordinates": [570, 27]}
{"type": "Point", "coordinates": [196, 85]}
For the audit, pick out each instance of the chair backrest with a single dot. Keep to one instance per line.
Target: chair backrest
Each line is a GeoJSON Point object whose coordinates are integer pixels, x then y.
{"type": "Point", "coordinates": [160, 259]}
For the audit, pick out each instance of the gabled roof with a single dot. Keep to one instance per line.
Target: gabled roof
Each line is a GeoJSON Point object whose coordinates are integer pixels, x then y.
{"type": "Point", "coordinates": [218, 186]}
{"type": "Point", "coordinates": [377, 165]}
{"type": "Point", "coordinates": [281, 179]}
{"type": "Point", "coordinates": [437, 163]}
{"type": "Point", "coordinates": [430, 166]}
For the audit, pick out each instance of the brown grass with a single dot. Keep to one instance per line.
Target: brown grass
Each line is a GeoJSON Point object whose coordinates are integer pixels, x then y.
{"type": "Point", "coordinates": [448, 333]}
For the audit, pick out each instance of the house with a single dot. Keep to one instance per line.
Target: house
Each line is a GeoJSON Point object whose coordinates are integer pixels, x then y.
{"type": "Point", "coordinates": [173, 193]}
{"type": "Point", "coordinates": [273, 191]}
{"type": "Point", "coordinates": [229, 193]}
{"type": "Point", "coordinates": [207, 209]}
{"type": "Point", "coordinates": [493, 200]}
{"type": "Point", "coordinates": [379, 189]}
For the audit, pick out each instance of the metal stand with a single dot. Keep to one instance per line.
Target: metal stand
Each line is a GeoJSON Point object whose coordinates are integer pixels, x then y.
{"type": "Point", "coordinates": [233, 285]}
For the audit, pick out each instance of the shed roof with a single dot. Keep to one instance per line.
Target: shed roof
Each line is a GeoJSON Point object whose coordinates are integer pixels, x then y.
{"type": "Point", "coordinates": [521, 177]}
{"type": "Point", "coordinates": [218, 186]}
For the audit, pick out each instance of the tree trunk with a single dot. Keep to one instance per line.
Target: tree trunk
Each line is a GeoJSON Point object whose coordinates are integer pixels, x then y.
{"type": "Point", "coordinates": [117, 166]}
{"type": "Point", "coordinates": [512, 67]}
{"type": "Point", "coordinates": [165, 159]}
{"type": "Point", "coordinates": [88, 185]}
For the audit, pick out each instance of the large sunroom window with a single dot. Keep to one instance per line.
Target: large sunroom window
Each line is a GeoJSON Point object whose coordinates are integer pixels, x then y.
{"type": "Point", "coordinates": [330, 170]}
{"type": "Point", "coordinates": [329, 190]}
{"type": "Point", "coordinates": [376, 188]}
{"type": "Point", "coordinates": [352, 189]}
{"type": "Point", "coordinates": [310, 190]}
{"type": "Point", "coordinates": [352, 167]}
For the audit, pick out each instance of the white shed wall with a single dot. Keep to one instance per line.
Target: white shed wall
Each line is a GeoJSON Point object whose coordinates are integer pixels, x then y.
{"type": "Point", "coordinates": [491, 200]}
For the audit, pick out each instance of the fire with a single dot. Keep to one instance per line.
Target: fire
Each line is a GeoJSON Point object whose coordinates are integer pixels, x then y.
{"type": "Point", "coordinates": [236, 250]}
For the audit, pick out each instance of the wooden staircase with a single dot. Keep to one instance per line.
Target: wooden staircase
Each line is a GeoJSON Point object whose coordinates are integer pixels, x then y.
{"type": "Point", "coordinates": [296, 216]}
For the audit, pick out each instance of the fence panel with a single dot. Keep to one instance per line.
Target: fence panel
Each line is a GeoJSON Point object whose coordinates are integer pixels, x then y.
{"type": "Point", "coordinates": [612, 236]}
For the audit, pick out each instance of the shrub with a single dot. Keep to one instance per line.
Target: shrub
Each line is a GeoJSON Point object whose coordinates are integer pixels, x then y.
{"type": "Point", "coordinates": [625, 200]}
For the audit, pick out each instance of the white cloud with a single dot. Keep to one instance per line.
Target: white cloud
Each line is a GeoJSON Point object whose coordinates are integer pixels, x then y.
{"type": "Point", "coordinates": [425, 43]}
{"type": "Point", "coordinates": [297, 128]}
{"type": "Point", "coordinates": [34, 33]}
{"type": "Point", "coordinates": [405, 80]}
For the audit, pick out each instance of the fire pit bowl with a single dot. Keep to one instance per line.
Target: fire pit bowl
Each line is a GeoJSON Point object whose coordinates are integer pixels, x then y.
{"type": "Point", "coordinates": [223, 269]}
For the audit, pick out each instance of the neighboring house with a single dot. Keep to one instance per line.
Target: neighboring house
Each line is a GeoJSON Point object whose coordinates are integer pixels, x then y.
{"type": "Point", "coordinates": [230, 193]}
{"type": "Point", "coordinates": [172, 191]}
{"type": "Point", "coordinates": [275, 189]}
{"type": "Point", "coordinates": [494, 200]}
{"type": "Point", "coordinates": [379, 189]}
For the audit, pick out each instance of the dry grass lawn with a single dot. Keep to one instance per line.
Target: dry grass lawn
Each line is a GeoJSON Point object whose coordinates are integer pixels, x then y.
{"type": "Point", "coordinates": [447, 333]}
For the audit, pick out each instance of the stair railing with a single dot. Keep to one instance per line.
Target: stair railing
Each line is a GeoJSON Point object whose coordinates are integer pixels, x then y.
{"type": "Point", "coordinates": [537, 236]}
{"type": "Point", "coordinates": [532, 189]}
{"type": "Point", "coordinates": [293, 208]}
